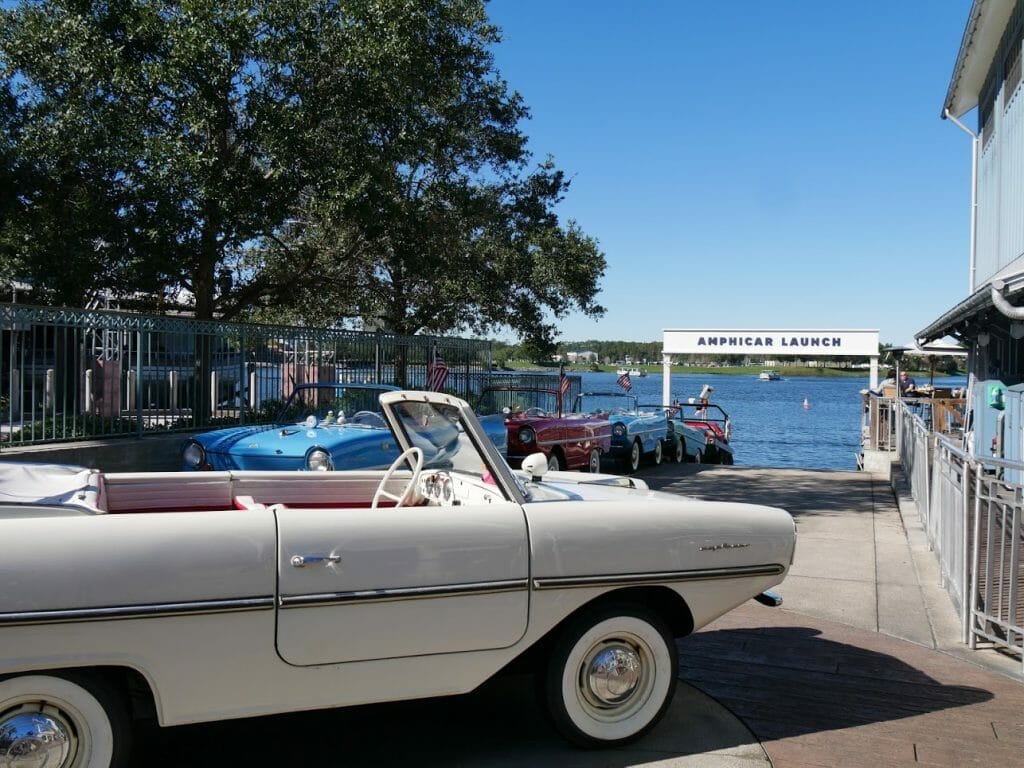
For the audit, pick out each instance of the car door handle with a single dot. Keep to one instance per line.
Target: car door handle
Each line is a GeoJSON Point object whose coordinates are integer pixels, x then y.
{"type": "Point", "coordinates": [301, 561]}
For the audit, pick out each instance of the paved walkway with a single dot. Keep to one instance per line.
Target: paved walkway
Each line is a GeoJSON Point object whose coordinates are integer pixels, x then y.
{"type": "Point", "coordinates": [863, 665]}
{"type": "Point", "coordinates": [861, 668]}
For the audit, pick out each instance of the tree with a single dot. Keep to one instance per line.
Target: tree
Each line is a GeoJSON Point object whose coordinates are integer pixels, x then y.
{"type": "Point", "coordinates": [321, 161]}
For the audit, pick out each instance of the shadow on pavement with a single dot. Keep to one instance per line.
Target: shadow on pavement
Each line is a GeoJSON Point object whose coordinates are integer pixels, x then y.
{"type": "Point", "coordinates": [498, 725]}
{"type": "Point", "coordinates": [801, 493]}
{"type": "Point", "coordinates": [785, 681]}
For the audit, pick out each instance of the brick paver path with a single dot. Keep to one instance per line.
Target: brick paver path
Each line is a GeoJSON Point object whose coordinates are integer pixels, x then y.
{"type": "Point", "coordinates": [822, 694]}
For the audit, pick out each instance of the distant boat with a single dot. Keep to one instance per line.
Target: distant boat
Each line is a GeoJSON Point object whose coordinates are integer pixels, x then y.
{"type": "Point", "coordinates": [631, 372]}
{"type": "Point", "coordinates": [769, 376]}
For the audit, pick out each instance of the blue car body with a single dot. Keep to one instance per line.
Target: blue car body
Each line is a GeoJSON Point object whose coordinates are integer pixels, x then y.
{"type": "Point", "coordinates": [635, 431]}
{"type": "Point", "coordinates": [685, 443]}
{"type": "Point", "coordinates": [321, 427]}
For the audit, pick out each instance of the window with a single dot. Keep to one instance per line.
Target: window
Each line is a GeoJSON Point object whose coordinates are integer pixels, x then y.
{"type": "Point", "coordinates": [986, 120]}
{"type": "Point", "coordinates": [1011, 70]}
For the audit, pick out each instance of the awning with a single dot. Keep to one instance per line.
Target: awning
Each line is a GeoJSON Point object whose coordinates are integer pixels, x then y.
{"type": "Point", "coordinates": [935, 349]}
{"type": "Point", "coordinates": [957, 321]}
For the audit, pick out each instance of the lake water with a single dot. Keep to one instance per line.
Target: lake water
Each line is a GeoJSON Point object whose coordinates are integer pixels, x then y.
{"type": "Point", "coordinates": [770, 425]}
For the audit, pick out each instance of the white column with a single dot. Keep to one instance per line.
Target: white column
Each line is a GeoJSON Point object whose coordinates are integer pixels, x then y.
{"type": "Point", "coordinates": [666, 379]}
{"type": "Point", "coordinates": [172, 384]}
{"type": "Point", "coordinates": [129, 390]}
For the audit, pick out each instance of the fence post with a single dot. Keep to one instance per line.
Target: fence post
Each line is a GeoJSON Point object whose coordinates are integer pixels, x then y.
{"type": "Point", "coordinates": [140, 400]}
{"type": "Point", "coordinates": [972, 581]}
{"type": "Point", "coordinates": [213, 393]}
{"type": "Point", "coordinates": [16, 392]}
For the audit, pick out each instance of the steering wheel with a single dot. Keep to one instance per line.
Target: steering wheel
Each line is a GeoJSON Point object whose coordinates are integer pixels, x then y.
{"type": "Point", "coordinates": [367, 417]}
{"type": "Point", "coordinates": [414, 458]}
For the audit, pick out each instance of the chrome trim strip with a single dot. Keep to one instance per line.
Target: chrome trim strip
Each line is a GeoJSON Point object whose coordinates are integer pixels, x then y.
{"type": "Point", "coordinates": [618, 580]}
{"type": "Point", "coordinates": [403, 593]}
{"type": "Point", "coordinates": [107, 613]}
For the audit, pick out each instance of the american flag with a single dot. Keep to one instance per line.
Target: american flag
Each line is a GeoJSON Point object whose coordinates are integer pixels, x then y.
{"type": "Point", "coordinates": [563, 381]}
{"type": "Point", "coordinates": [437, 372]}
{"type": "Point", "coordinates": [624, 381]}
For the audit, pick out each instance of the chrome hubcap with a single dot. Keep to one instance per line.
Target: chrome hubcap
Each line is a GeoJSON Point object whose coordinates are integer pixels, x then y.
{"type": "Point", "coordinates": [35, 737]}
{"type": "Point", "coordinates": [612, 675]}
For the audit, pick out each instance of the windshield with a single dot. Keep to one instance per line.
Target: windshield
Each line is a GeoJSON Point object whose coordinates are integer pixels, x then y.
{"type": "Point", "coordinates": [335, 403]}
{"type": "Point", "coordinates": [494, 401]}
{"type": "Point", "coordinates": [436, 429]}
{"type": "Point", "coordinates": [604, 402]}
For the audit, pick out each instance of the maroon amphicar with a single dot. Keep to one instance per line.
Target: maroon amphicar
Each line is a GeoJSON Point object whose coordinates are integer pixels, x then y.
{"type": "Point", "coordinates": [535, 422]}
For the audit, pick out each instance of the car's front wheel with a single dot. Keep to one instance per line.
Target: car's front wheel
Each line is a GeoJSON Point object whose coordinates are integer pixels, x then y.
{"type": "Point", "coordinates": [554, 463]}
{"type": "Point", "coordinates": [635, 454]}
{"type": "Point", "coordinates": [679, 453]}
{"type": "Point", "coordinates": [611, 675]}
{"type": "Point", "coordinates": [75, 721]}
{"type": "Point", "coordinates": [594, 462]}
{"type": "Point", "coordinates": [659, 453]}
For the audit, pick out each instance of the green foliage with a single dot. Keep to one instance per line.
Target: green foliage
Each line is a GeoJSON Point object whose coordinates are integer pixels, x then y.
{"type": "Point", "coordinates": [285, 159]}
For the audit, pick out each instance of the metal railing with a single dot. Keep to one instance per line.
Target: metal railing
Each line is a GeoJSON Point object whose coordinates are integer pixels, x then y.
{"type": "Point", "coordinates": [973, 521]}
{"type": "Point", "coordinates": [71, 374]}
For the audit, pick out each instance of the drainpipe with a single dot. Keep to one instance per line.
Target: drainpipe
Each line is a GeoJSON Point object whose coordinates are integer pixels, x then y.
{"type": "Point", "coordinates": [975, 146]}
{"type": "Point", "coordinates": [1000, 302]}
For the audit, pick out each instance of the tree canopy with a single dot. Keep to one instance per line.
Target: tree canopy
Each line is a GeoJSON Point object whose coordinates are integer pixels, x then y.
{"type": "Point", "coordinates": [325, 163]}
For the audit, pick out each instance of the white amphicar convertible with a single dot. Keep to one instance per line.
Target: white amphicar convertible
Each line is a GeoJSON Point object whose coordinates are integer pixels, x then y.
{"type": "Point", "coordinates": [194, 597]}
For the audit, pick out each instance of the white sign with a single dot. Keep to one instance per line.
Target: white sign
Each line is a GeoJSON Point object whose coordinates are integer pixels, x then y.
{"type": "Point", "coordinates": [773, 343]}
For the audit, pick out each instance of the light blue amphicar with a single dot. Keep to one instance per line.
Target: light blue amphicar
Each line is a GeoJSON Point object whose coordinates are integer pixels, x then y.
{"type": "Point", "coordinates": [636, 432]}
{"type": "Point", "coordinates": [322, 426]}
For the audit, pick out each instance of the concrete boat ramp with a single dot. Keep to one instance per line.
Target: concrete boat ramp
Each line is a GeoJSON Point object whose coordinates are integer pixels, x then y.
{"type": "Point", "coordinates": [861, 667]}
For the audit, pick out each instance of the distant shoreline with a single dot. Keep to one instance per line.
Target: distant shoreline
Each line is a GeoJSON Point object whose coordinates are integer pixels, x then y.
{"type": "Point", "coordinates": [733, 370]}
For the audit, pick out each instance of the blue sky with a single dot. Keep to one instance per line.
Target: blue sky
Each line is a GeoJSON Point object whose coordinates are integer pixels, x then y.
{"type": "Point", "coordinates": [752, 164]}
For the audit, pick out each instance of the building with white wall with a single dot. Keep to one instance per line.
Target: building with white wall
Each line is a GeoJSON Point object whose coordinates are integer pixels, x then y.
{"type": "Point", "coordinates": [985, 100]}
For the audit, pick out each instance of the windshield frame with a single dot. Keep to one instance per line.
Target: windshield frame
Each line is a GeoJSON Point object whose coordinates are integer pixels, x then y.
{"type": "Point", "coordinates": [468, 425]}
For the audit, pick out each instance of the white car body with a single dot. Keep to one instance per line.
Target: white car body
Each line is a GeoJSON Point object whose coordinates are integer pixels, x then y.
{"type": "Point", "coordinates": [232, 594]}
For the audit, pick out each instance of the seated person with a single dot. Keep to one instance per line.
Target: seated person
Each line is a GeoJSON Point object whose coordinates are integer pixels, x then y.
{"type": "Point", "coordinates": [908, 387]}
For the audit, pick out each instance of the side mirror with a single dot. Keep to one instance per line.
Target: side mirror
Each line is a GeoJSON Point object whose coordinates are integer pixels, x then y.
{"type": "Point", "coordinates": [536, 466]}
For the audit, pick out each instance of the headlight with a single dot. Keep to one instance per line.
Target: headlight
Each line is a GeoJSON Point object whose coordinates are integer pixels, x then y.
{"type": "Point", "coordinates": [526, 435]}
{"type": "Point", "coordinates": [319, 460]}
{"type": "Point", "coordinates": [193, 455]}
{"type": "Point", "coordinates": [619, 430]}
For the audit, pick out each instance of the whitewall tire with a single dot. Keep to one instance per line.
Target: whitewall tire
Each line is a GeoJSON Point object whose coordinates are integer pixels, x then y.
{"type": "Point", "coordinates": [72, 721]}
{"type": "Point", "coordinates": [611, 676]}
{"type": "Point", "coordinates": [635, 454]}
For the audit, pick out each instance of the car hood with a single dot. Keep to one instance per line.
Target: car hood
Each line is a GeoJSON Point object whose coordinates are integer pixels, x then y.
{"type": "Point", "coordinates": [286, 439]}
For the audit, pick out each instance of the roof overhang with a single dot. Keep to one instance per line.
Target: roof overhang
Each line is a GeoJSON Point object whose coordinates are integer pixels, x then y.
{"type": "Point", "coordinates": [985, 27]}
{"type": "Point", "coordinates": [956, 321]}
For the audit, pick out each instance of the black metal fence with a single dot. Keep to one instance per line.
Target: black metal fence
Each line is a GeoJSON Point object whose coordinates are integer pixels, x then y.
{"type": "Point", "coordinates": [71, 374]}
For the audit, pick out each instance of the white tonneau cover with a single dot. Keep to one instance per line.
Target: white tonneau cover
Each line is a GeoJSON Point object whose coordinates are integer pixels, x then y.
{"type": "Point", "coordinates": [50, 484]}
